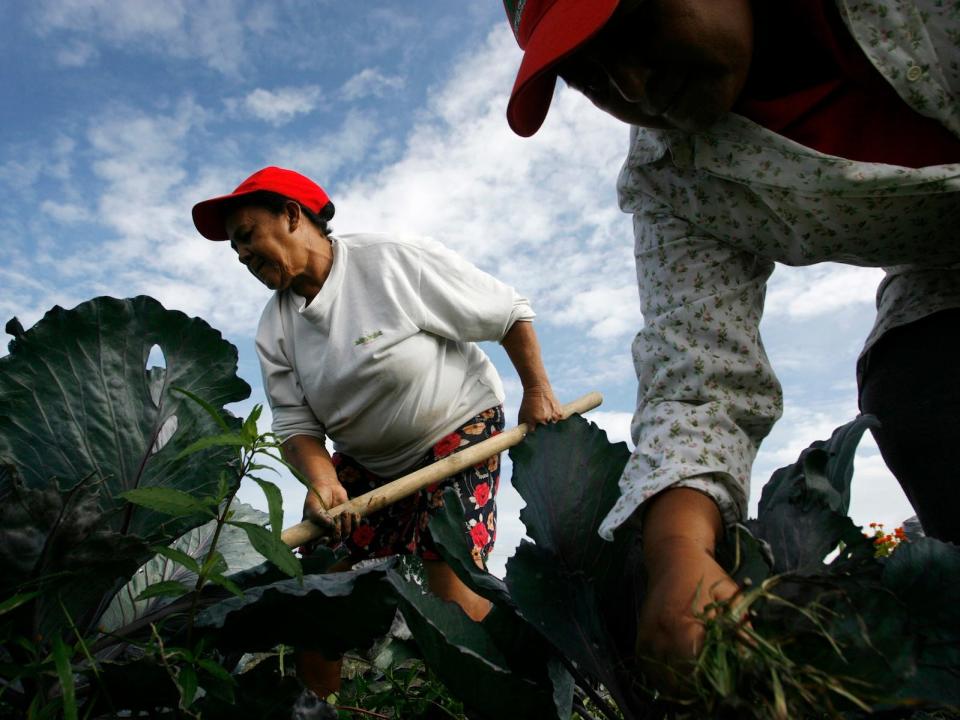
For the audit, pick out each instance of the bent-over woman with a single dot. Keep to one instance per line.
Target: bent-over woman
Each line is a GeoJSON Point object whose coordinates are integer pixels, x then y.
{"type": "Point", "coordinates": [370, 340]}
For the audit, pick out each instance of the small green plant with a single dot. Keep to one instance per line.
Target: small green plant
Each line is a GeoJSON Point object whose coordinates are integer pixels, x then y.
{"type": "Point", "coordinates": [399, 689]}
{"type": "Point", "coordinates": [743, 673]}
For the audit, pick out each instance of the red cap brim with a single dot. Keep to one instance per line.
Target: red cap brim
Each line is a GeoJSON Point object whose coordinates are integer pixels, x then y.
{"type": "Point", "coordinates": [208, 216]}
{"type": "Point", "coordinates": [567, 25]}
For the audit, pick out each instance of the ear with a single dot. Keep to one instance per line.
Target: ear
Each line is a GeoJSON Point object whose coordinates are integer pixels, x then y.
{"type": "Point", "coordinates": [294, 214]}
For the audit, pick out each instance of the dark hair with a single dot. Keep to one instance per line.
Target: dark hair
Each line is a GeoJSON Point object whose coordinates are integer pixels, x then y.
{"type": "Point", "coordinates": [276, 203]}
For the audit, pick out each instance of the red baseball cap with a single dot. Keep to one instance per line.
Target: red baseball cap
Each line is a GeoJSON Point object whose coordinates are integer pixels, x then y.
{"type": "Point", "coordinates": [547, 31]}
{"type": "Point", "coordinates": [208, 215]}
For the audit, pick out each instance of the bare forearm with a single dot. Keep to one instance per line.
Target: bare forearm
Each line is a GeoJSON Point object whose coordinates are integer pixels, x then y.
{"type": "Point", "coordinates": [538, 404]}
{"type": "Point", "coordinates": [680, 519]}
{"type": "Point", "coordinates": [309, 456]}
{"type": "Point", "coordinates": [523, 349]}
{"type": "Point", "coordinates": [680, 531]}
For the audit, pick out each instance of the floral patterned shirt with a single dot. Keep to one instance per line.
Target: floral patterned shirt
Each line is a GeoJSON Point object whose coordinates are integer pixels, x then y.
{"type": "Point", "coordinates": [713, 211]}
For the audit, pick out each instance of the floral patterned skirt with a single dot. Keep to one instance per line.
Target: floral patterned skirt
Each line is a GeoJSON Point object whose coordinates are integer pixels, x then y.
{"type": "Point", "coordinates": [401, 528]}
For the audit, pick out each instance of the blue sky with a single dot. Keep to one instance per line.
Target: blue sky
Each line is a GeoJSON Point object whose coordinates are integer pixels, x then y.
{"type": "Point", "coordinates": [117, 117]}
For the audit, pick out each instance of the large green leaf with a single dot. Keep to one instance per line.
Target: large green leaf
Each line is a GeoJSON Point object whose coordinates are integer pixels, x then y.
{"type": "Point", "coordinates": [530, 656]}
{"type": "Point", "coordinates": [78, 402]}
{"type": "Point", "coordinates": [239, 555]}
{"type": "Point", "coordinates": [567, 610]}
{"type": "Point", "coordinates": [744, 557]}
{"type": "Point", "coordinates": [52, 540]}
{"type": "Point", "coordinates": [83, 420]}
{"type": "Point", "coordinates": [332, 613]}
{"type": "Point", "coordinates": [889, 627]}
{"type": "Point", "coordinates": [567, 580]}
{"type": "Point", "coordinates": [803, 508]}
{"type": "Point", "coordinates": [924, 576]}
{"type": "Point", "coordinates": [467, 660]}
{"type": "Point", "coordinates": [567, 474]}
{"type": "Point", "coordinates": [527, 654]}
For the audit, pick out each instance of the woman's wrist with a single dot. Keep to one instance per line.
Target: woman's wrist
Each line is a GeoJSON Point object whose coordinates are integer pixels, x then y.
{"type": "Point", "coordinates": [541, 388]}
{"type": "Point", "coordinates": [321, 483]}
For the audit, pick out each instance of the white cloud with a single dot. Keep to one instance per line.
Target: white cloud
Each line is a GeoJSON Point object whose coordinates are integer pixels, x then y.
{"type": "Point", "coordinates": [511, 205]}
{"type": "Point", "coordinates": [211, 30]}
{"type": "Point", "coordinates": [510, 531]}
{"type": "Point", "coordinates": [65, 213]}
{"type": "Point", "coordinates": [606, 312]}
{"type": "Point", "coordinates": [820, 290]}
{"type": "Point", "coordinates": [616, 424]}
{"type": "Point", "coordinates": [76, 54]}
{"type": "Point", "coordinates": [140, 198]}
{"type": "Point", "coordinates": [125, 20]}
{"type": "Point", "coordinates": [22, 172]}
{"type": "Point", "coordinates": [282, 105]}
{"type": "Point", "coordinates": [322, 155]}
{"type": "Point", "coordinates": [370, 82]}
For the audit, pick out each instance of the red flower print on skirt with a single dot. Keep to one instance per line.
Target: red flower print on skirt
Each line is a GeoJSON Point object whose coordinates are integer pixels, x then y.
{"type": "Point", "coordinates": [480, 535]}
{"type": "Point", "coordinates": [481, 495]}
{"type": "Point", "coordinates": [446, 445]}
{"type": "Point", "coordinates": [363, 535]}
{"type": "Point", "coordinates": [404, 526]}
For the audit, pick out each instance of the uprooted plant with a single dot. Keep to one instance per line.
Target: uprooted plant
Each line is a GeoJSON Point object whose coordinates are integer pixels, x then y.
{"type": "Point", "coordinates": [130, 580]}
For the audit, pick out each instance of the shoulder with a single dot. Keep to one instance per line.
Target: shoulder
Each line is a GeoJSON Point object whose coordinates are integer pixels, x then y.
{"type": "Point", "coordinates": [384, 249]}
{"type": "Point", "coordinates": [385, 242]}
{"type": "Point", "coordinates": [271, 323]}
{"type": "Point", "coordinates": [271, 310]}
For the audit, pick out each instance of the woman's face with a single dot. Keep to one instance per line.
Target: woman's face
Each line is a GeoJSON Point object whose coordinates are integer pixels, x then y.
{"type": "Point", "coordinates": [266, 244]}
{"type": "Point", "coordinates": [666, 63]}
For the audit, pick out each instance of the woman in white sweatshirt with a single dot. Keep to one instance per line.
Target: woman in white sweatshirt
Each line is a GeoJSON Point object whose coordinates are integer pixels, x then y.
{"type": "Point", "coordinates": [370, 340]}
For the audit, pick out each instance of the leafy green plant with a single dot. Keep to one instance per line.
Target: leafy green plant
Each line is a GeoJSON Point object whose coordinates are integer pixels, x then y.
{"type": "Point", "coordinates": [843, 637]}
{"type": "Point", "coordinates": [107, 466]}
{"type": "Point", "coordinates": [132, 581]}
{"type": "Point", "coordinates": [394, 683]}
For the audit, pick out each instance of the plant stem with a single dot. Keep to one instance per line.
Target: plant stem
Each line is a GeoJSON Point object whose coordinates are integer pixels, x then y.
{"type": "Point", "coordinates": [221, 521]}
{"type": "Point", "coordinates": [582, 711]}
{"type": "Point", "coordinates": [361, 711]}
{"type": "Point", "coordinates": [170, 671]}
{"type": "Point", "coordinates": [86, 652]}
{"type": "Point", "coordinates": [581, 681]}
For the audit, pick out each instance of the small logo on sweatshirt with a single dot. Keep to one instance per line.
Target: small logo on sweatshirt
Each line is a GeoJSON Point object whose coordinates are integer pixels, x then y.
{"type": "Point", "coordinates": [364, 339]}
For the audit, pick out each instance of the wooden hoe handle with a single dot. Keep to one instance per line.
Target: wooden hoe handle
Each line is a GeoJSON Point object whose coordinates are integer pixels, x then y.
{"type": "Point", "coordinates": [407, 485]}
